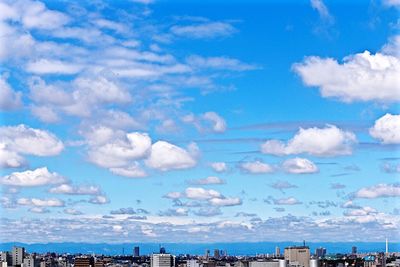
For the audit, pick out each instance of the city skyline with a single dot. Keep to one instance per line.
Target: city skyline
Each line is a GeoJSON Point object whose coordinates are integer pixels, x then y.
{"type": "Point", "coordinates": [188, 121]}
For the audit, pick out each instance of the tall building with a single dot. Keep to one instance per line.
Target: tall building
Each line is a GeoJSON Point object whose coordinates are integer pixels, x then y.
{"type": "Point", "coordinates": [320, 252]}
{"type": "Point", "coordinates": [192, 263]}
{"type": "Point", "coordinates": [216, 253]}
{"type": "Point", "coordinates": [277, 252]}
{"type": "Point", "coordinates": [353, 250]}
{"type": "Point", "coordinates": [162, 260]}
{"type": "Point", "coordinates": [17, 254]}
{"type": "Point", "coordinates": [298, 256]}
{"type": "Point", "coordinates": [136, 252]}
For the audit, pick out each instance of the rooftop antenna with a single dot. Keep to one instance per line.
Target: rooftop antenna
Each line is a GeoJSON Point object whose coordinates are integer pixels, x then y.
{"type": "Point", "coordinates": [304, 243]}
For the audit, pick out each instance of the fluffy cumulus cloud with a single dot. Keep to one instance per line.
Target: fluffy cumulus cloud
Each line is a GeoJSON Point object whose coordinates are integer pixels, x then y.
{"type": "Point", "coordinates": [201, 193]}
{"type": "Point", "coordinates": [18, 140]}
{"type": "Point", "coordinates": [286, 201]}
{"type": "Point", "coordinates": [166, 156]}
{"type": "Point", "coordinates": [228, 201]}
{"type": "Point", "coordinates": [37, 177]}
{"type": "Point", "coordinates": [360, 77]}
{"type": "Point", "coordinates": [327, 141]}
{"type": "Point", "coordinates": [99, 200]}
{"type": "Point", "coordinates": [299, 166]}
{"type": "Point", "coordinates": [379, 191]}
{"type": "Point", "coordinates": [256, 167]}
{"type": "Point", "coordinates": [387, 129]}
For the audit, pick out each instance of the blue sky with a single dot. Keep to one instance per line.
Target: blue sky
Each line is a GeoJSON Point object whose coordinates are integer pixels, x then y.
{"type": "Point", "coordinates": [157, 121]}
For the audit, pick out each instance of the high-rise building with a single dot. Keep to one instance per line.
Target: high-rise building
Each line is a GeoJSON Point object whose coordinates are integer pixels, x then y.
{"type": "Point", "coordinates": [216, 253]}
{"type": "Point", "coordinates": [277, 252]}
{"type": "Point", "coordinates": [298, 256]}
{"type": "Point", "coordinates": [353, 250]}
{"type": "Point", "coordinates": [162, 260]}
{"type": "Point", "coordinates": [192, 263]}
{"type": "Point", "coordinates": [320, 252]}
{"type": "Point", "coordinates": [17, 254]}
{"type": "Point", "coordinates": [136, 252]}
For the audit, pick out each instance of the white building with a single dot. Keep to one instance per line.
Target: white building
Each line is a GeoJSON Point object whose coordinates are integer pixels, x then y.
{"type": "Point", "coordinates": [17, 254]}
{"type": "Point", "coordinates": [193, 263]}
{"type": "Point", "coordinates": [264, 264]}
{"type": "Point", "coordinates": [31, 262]}
{"type": "Point", "coordinates": [162, 260]}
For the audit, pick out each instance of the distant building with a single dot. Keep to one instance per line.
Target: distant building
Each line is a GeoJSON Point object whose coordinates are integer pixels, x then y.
{"type": "Point", "coordinates": [277, 251]}
{"type": "Point", "coordinates": [216, 253]}
{"type": "Point", "coordinates": [162, 260]}
{"type": "Point", "coordinates": [82, 262]}
{"type": "Point", "coordinates": [136, 252]}
{"type": "Point", "coordinates": [353, 250]}
{"type": "Point", "coordinates": [5, 257]}
{"type": "Point", "coordinates": [298, 256]}
{"type": "Point", "coordinates": [192, 263]}
{"type": "Point", "coordinates": [264, 264]}
{"type": "Point", "coordinates": [320, 252]}
{"type": "Point", "coordinates": [17, 254]}
{"type": "Point", "coordinates": [31, 262]}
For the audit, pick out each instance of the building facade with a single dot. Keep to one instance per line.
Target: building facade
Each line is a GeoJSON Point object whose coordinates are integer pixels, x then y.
{"type": "Point", "coordinates": [298, 256]}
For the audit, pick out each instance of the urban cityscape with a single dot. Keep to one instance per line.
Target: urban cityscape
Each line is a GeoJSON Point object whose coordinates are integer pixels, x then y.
{"type": "Point", "coordinates": [292, 256]}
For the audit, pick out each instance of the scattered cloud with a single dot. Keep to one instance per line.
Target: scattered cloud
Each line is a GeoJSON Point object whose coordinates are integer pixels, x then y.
{"type": "Point", "coordinates": [207, 181]}
{"type": "Point", "coordinates": [75, 190]}
{"type": "Point", "coordinates": [219, 166]}
{"type": "Point", "coordinates": [379, 191]}
{"type": "Point", "coordinates": [325, 142]}
{"type": "Point", "coordinates": [387, 129]}
{"type": "Point", "coordinates": [205, 30]}
{"type": "Point", "coordinates": [256, 167]}
{"type": "Point", "coordinates": [30, 178]}
{"type": "Point", "coordinates": [9, 99]}
{"type": "Point", "coordinates": [37, 202]}
{"type": "Point", "coordinates": [286, 201]}
{"type": "Point", "coordinates": [299, 166]}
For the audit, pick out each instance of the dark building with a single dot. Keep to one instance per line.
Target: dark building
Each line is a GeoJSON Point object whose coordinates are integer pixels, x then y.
{"type": "Point", "coordinates": [136, 252]}
{"type": "Point", "coordinates": [320, 252]}
{"type": "Point", "coordinates": [353, 250]}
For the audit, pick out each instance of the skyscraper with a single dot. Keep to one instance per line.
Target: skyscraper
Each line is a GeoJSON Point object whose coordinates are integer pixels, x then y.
{"type": "Point", "coordinates": [136, 252]}
{"type": "Point", "coordinates": [216, 253]}
{"type": "Point", "coordinates": [353, 250]}
{"type": "Point", "coordinates": [277, 251]}
{"type": "Point", "coordinates": [298, 256]}
{"type": "Point", "coordinates": [320, 252]}
{"type": "Point", "coordinates": [17, 254]}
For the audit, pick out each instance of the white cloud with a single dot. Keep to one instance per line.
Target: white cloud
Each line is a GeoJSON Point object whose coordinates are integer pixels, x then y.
{"type": "Point", "coordinates": [37, 177]}
{"type": "Point", "coordinates": [361, 211]}
{"type": "Point", "coordinates": [205, 30]}
{"type": "Point", "coordinates": [37, 202]}
{"type": "Point", "coordinates": [208, 180]}
{"type": "Point", "coordinates": [75, 190]}
{"type": "Point", "coordinates": [9, 158]}
{"type": "Point", "coordinates": [113, 151]}
{"type": "Point", "coordinates": [361, 77]}
{"type": "Point", "coordinates": [219, 166]}
{"type": "Point", "coordinates": [174, 195]}
{"type": "Point", "coordinates": [40, 210]}
{"type": "Point", "coordinates": [286, 201]}
{"type": "Point", "coordinates": [322, 10]}
{"type": "Point", "coordinates": [299, 166]}
{"type": "Point", "coordinates": [256, 167]}
{"type": "Point", "coordinates": [9, 99]}
{"type": "Point", "coordinates": [45, 114]}
{"type": "Point", "coordinates": [201, 193]}
{"type": "Point", "coordinates": [50, 66]}
{"type": "Point", "coordinates": [100, 200]}
{"type": "Point", "coordinates": [219, 63]}
{"type": "Point", "coordinates": [328, 141]}
{"type": "Point", "coordinates": [218, 123]}
{"type": "Point", "coordinates": [72, 211]}
{"type": "Point", "coordinates": [230, 201]}
{"type": "Point", "coordinates": [208, 121]}
{"type": "Point", "coordinates": [24, 140]}
{"type": "Point", "coordinates": [165, 156]}
{"type": "Point", "coordinates": [387, 129]}
{"type": "Point", "coordinates": [378, 191]}
{"type": "Point", "coordinates": [394, 3]}
{"type": "Point", "coordinates": [133, 171]}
